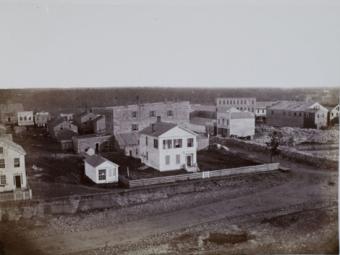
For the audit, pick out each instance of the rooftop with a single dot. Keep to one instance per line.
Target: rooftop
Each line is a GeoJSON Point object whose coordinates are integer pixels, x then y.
{"type": "Point", "coordinates": [96, 160]}
{"type": "Point", "coordinates": [13, 145]}
{"type": "Point", "coordinates": [158, 128]}
{"type": "Point", "coordinates": [292, 105]}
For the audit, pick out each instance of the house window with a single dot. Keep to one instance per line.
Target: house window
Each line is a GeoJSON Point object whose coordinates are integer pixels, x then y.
{"type": "Point", "coordinates": [223, 101]}
{"type": "Point", "coordinates": [2, 163]}
{"type": "Point", "coordinates": [227, 122]}
{"type": "Point", "coordinates": [16, 162]}
{"type": "Point", "coordinates": [167, 159]}
{"type": "Point", "coordinates": [272, 112]}
{"type": "Point", "coordinates": [102, 174]}
{"type": "Point", "coordinates": [222, 121]}
{"type": "Point", "coordinates": [2, 179]}
{"type": "Point", "coordinates": [262, 110]}
{"type": "Point", "coordinates": [134, 114]}
{"type": "Point", "coordinates": [167, 144]}
{"type": "Point", "coordinates": [178, 159]}
{"type": "Point", "coordinates": [294, 113]}
{"type": "Point", "coordinates": [20, 118]}
{"type": "Point", "coordinates": [147, 155]}
{"type": "Point", "coordinates": [146, 141]}
{"type": "Point", "coordinates": [25, 118]}
{"type": "Point", "coordinates": [155, 143]}
{"type": "Point", "coordinates": [190, 142]}
{"type": "Point", "coordinates": [134, 127]}
{"type": "Point", "coordinates": [1, 150]}
{"type": "Point", "coordinates": [170, 113]}
{"type": "Point", "coordinates": [152, 114]}
{"type": "Point", "coordinates": [136, 152]}
{"type": "Point", "coordinates": [178, 143]}
{"type": "Point", "coordinates": [300, 114]}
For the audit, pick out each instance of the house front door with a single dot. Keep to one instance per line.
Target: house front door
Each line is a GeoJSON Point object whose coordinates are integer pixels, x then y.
{"type": "Point", "coordinates": [189, 160]}
{"type": "Point", "coordinates": [18, 181]}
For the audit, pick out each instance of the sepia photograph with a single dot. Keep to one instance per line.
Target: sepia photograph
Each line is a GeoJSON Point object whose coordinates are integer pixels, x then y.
{"type": "Point", "coordinates": [169, 127]}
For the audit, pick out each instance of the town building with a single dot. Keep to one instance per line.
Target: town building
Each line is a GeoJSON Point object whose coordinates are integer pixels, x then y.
{"type": "Point", "coordinates": [133, 118]}
{"type": "Point", "coordinates": [261, 110]}
{"type": "Point", "coordinates": [128, 142]}
{"type": "Point", "coordinates": [41, 119]}
{"type": "Point", "coordinates": [297, 114]}
{"type": "Point", "coordinates": [240, 103]}
{"type": "Point", "coordinates": [25, 118]}
{"type": "Point", "coordinates": [98, 142]}
{"type": "Point", "coordinates": [98, 125]}
{"type": "Point", "coordinates": [67, 116]}
{"type": "Point", "coordinates": [235, 123]}
{"type": "Point", "coordinates": [84, 122]}
{"type": "Point", "coordinates": [167, 146]}
{"type": "Point", "coordinates": [59, 124]}
{"type": "Point", "coordinates": [100, 170]}
{"type": "Point", "coordinates": [9, 113]}
{"type": "Point", "coordinates": [202, 125]}
{"type": "Point", "coordinates": [333, 114]}
{"type": "Point", "coordinates": [64, 137]}
{"type": "Point", "coordinates": [12, 169]}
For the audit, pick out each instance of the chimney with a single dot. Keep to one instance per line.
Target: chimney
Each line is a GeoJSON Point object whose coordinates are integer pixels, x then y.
{"type": "Point", "coordinates": [159, 119]}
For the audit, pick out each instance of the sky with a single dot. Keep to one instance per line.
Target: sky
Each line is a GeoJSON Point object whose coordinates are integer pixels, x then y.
{"type": "Point", "coordinates": [203, 43]}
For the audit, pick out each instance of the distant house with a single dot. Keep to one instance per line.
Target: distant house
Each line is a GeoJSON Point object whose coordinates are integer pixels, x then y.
{"type": "Point", "coordinates": [9, 113]}
{"type": "Point", "coordinates": [233, 122]}
{"type": "Point", "coordinates": [67, 116]}
{"type": "Point", "coordinates": [98, 125]}
{"type": "Point", "coordinates": [97, 142]}
{"type": "Point", "coordinates": [297, 114]}
{"type": "Point", "coordinates": [100, 170]}
{"type": "Point", "coordinates": [25, 118]}
{"type": "Point", "coordinates": [59, 124]}
{"type": "Point", "coordinates": [12, 167]}
{"type": "Point", "coordinates": [64, 137]}
{"type": "Point", "coordinates": [84, 122]}
{"type": "Point", "coordinates": [41, 119]}
{"type": "Point", "coordinates": [261, 110]}
{"type": "Point", "coordinates": [128, 142]}
{"type": "Point", "coordinates": [167, 146]}
{"type": "Point", "coordinates": [202, 125]}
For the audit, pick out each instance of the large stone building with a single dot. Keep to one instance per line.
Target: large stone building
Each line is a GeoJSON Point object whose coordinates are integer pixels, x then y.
{"type": "Point", "coordinates": [297, 114]}
{"type": "Point", "coordinates": [25, 118]}
{"type": "Point", "coordinates": [133, 118]}
{"type": "Point", "coordinates": [240, 103]}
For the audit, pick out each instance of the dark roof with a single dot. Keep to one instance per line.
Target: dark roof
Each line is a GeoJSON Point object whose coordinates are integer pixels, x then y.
{"type": "Point", "coordinates": [65, 134]}
{"type": "Point", "coordinates": [126, 139]}
{"type": "Point", "coordinates": [98, 117]}
{"type": "Point", "coordinates": [158, 128]}
{"type": "Point", "coordinates": [96, 160]}
{"type": "Point", "coordinates": [56, 121]}
{"type": "Point", "coordinates": [292, 105]}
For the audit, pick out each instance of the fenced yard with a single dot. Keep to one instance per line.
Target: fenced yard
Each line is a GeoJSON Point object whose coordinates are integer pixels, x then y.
{"type": "Point", "coordinates": [200, 175]}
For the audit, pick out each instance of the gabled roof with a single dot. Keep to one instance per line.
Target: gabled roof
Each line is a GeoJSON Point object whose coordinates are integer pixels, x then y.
{"type": "Point", "coordinates": [98, 117]}
{"type": "Point", "coordinates": [56, 121]}
{"type": "Point", "coordinates": [158, 128]}
{"type": "Point", "coordinates": [96, 160]}
{"type": "Point", "coordinates": [12, 145]}
{"type": "Point", "coordinates": [127, 139]}
{"type": "Point", "coordinates": [292, 105]}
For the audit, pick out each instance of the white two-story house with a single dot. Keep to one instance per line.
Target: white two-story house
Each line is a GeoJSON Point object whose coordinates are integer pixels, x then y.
{"type": "Point", "coordinates": [167, 147]}
{"type": "Point", "coordinates": [12, 166]}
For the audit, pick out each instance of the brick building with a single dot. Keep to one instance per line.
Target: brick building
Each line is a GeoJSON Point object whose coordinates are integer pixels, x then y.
{"type": "Point", "coordinates": [297, 114]}
{"type": "Point", "coordinates": [133, 118]}
{"type": "Point", "coordinates": [240, 103]}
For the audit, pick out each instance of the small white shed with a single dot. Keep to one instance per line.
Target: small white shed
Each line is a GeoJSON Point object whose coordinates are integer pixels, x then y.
{"type": "Point", "coordinates": [101, 170]}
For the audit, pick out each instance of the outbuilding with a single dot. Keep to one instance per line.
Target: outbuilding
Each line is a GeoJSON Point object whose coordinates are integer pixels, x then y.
{"type": "Point", "coordinates": [100, 170]}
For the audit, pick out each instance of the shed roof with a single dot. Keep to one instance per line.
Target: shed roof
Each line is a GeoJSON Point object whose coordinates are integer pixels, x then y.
{"type": "Point", "coordinates": [96, 160]}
